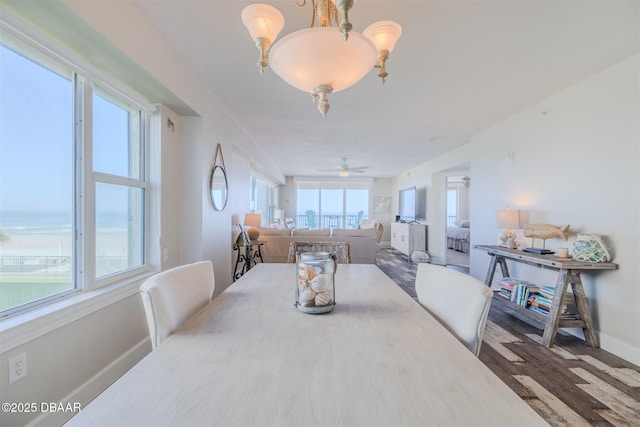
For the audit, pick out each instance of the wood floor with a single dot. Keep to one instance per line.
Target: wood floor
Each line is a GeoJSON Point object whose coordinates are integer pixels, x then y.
{"type": "Point", "coordinates": [570, 384]}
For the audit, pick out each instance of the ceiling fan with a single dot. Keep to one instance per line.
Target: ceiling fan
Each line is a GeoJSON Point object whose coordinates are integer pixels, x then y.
{"type": "Point", "coordinates": [344, 169]}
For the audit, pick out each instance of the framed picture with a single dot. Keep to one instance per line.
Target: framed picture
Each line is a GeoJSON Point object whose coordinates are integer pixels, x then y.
{"type": "Point", "coordinates": [382, 205]}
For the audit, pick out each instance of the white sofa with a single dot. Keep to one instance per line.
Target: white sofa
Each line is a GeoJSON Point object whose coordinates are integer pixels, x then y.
{"type": "Point", "coordinates": [363, 243]}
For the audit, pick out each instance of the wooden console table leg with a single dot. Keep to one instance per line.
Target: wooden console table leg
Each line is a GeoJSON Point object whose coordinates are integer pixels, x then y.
{"type": "Point", "coordinates": [491, 271]}
{"type": "Point", "coordinates": [495, 260]}
{"type": "Point", "coordinates": [503, 266]}
{"type": "Point", "coordinates": [583, 310]}
{"type": "Point", "coordinates": [553, 321]}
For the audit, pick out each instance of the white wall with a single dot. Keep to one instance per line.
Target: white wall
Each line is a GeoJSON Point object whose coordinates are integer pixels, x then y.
{"type": "Point", "coordinates": [576, 160]}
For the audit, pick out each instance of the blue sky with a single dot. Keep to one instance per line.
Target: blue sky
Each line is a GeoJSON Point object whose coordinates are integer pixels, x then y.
{"type": "Point", "coordinates": [36, 134]}
{"type": "Point", "coordinates": [357, 200]}
{"type": "Point", "coordinates": [35, 160]}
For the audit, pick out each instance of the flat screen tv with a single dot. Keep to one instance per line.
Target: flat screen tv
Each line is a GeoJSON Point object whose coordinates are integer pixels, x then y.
{"type": "Point", "coordinates": [413, 204]}
{"type": "Point", "coordinates": [407, 202]}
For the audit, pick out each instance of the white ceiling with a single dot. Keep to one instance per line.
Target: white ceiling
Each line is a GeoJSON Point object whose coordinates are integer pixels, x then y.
{"type": "Point", "coordinates": [459, 67]}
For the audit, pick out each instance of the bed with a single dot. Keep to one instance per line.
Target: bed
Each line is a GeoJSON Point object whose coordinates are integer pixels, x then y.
{"type": "Point", "coordinates": [458, 236]}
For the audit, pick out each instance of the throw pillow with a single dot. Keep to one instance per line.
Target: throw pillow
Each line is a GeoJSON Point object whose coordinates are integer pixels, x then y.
{"type": "Point", "coordinates": [290, 223]}
{"type": "Point", "coordinates": [307, 232]}
{"type": "Point", "coordinates": [367, 224]}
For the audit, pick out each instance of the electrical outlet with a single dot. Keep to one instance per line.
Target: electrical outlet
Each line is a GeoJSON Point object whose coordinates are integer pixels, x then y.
{"type": "Point", "coordinates": [17, 368]}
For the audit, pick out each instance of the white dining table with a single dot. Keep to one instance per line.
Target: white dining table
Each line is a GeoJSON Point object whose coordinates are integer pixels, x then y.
{"type": "Point", "coordinates": [250, 358]}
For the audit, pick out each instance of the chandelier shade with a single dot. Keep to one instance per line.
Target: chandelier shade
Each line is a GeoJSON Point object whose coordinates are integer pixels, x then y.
{"type": "Point", "coordinates": [315, 57]}
{"type": "Point", "coordinates": [262, 20]}
{"type": "Point", "coordinates": [383, 34]}
{"type": "Point", "coordinates": [325, 59]}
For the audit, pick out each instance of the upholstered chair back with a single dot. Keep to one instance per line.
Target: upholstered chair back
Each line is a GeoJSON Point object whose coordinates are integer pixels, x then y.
{"type": "Point", "coordinates": [173, 296]}
{"type": "Point", "coordinates": [459, 301]}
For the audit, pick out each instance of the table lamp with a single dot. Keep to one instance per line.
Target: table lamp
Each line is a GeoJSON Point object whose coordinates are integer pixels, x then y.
{"type": "Point", "coordinates": [508, 219]}
{"type": "Point", "coordinates": [253, 220]}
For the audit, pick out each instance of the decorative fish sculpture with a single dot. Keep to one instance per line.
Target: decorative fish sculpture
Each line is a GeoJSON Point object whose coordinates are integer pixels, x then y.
{"type": "Point", "coordinates": [546, 231]}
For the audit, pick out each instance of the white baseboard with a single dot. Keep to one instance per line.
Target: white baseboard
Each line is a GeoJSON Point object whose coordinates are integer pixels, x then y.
{"type": "Point", "coordinates": [619, 348]}
{"type": "Point", "coordinates": [95, 385]}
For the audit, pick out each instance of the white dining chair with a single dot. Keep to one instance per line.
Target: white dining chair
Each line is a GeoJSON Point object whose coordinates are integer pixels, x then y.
{"type": "Point", "coordinates": [458, 301]}
{"type": "Point", "coordinates": [173, 296]}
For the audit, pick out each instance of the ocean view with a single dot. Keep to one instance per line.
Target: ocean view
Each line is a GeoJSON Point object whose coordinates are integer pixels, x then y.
{"type": "Point", "coordinates": [51, 233]}
{"type": "Point", "coordinates": [36, 256]}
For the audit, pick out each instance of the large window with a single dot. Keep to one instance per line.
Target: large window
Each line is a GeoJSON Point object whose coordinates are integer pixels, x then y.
{"type": "Point", "coordinates": [452, 205]}
{"type": "Point", "coordinates": [261, 199]}
{"type": "Point", "coordinates": [331, 204]}
{"type": "Point", "coordinates": [72, 180]}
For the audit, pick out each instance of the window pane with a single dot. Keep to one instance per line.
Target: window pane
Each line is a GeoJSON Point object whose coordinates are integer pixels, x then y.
{"type": "Point", "coordinates": [36, 181]}
{"type": "Point", "coordinates": [357, 206]}
{"type": "Point", "coordinates": [331, 201]}
{"type": "Point", "coordinates": [452, 205]}
{"type": "Point", "coordinates": [261, 197]}
{"type": "Point", "coordinates": [119, 228]}
{"type": "Point", "coordinates": [116, 138]}
{"type": "Point", "coordinates": [307, 199]}
{"type": "Point", "coordinates": [334, 204]}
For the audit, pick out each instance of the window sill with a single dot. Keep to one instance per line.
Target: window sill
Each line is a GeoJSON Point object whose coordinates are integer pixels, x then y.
{"type": "Point", "coordinates": [23, 327]}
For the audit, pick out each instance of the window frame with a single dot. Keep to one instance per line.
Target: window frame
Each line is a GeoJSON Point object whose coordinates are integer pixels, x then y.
{"type": "Point", "coordinates": [333, 184]}
{"type": "Point", "coordinates": [266, 216]}
{"type": "Point", "coordinates": [44, 52]}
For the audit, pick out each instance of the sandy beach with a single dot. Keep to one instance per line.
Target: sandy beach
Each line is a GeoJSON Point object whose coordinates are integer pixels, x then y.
{"type": "Point", "coordinates": [59, 244]}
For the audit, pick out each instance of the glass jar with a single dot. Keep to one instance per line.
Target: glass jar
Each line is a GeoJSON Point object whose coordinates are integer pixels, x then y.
{"type": "Point", "coordinates": [315, 282]}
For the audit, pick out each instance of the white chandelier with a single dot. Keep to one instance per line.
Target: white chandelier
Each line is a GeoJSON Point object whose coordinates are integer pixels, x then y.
{"type": "Point", "coordinates": [321, 60]}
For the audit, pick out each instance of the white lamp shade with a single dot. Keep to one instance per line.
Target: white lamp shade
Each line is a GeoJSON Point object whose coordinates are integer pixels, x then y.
{"type": "Point", "coordinates": [253, 219]}
{"type": "Point", "coordinates": [383, 34]}
{"type": "Point", "coordinates": [262, 20]}
{"type": "Point", "coordinates": [321, 56]}
{"type": "Point", "coordinates": [509, 219]}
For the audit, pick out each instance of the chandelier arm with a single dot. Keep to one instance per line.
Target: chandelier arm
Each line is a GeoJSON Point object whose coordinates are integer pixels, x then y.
{"type": "Point", "coordinates": [332, 13]}
{"type": "Point", "coordinates": [314, 10]}
{"type": "Point", "coordinates": [263, 44]}
{"type": "Point", "coordinates": [384, 55]}
{"type": "Point", "coordinates": [345, 26]}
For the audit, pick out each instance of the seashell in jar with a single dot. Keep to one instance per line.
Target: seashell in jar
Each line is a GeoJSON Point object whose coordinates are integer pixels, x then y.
{"type": "Point", "coordinates": [311, 272]}
{"type": "Point", "coordinates": [322, 299]}
{"type": "Point", "coordinates": [306, 297]}
{"type": "Point", "coordinates": [319, 283]}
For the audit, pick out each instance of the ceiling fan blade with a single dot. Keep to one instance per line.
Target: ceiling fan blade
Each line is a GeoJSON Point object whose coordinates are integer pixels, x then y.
{"type": "Point", "coordinates": [358, 168]}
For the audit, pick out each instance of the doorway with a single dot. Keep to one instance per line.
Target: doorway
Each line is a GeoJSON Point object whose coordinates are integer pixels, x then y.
{"type": "Point", "coordinates": [458, 226]}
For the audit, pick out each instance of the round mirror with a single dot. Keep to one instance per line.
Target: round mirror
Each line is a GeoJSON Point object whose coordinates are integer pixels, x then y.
{"type": "Point", "coordinates": [218, 188]}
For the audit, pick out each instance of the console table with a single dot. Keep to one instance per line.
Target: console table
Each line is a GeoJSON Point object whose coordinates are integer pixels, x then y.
{"type": "Point", "coordinates": [408, 237]}
{"type": "Point", "coordinates": [568, 276]}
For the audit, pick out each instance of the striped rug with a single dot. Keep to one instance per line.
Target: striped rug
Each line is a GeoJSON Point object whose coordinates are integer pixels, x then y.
{"type": "Point", "coordinates": [570, 384]}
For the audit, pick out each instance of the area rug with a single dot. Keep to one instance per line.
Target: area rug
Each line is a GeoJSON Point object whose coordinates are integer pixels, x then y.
{"type": "Point", "coordinates": [570, 384]}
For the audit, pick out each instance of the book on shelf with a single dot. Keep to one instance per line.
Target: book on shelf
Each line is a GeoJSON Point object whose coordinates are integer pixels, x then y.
{"type": "Point", "coordinates": [539, 305]}
{"type": "Point", "coordinates": [528, 295]}
{"type": "Point", "coordinates": [510, 282]}
{"type": "Point", "coordinates": [506, 293]}
{"type": "Point", "coordinates": [539, 311]}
